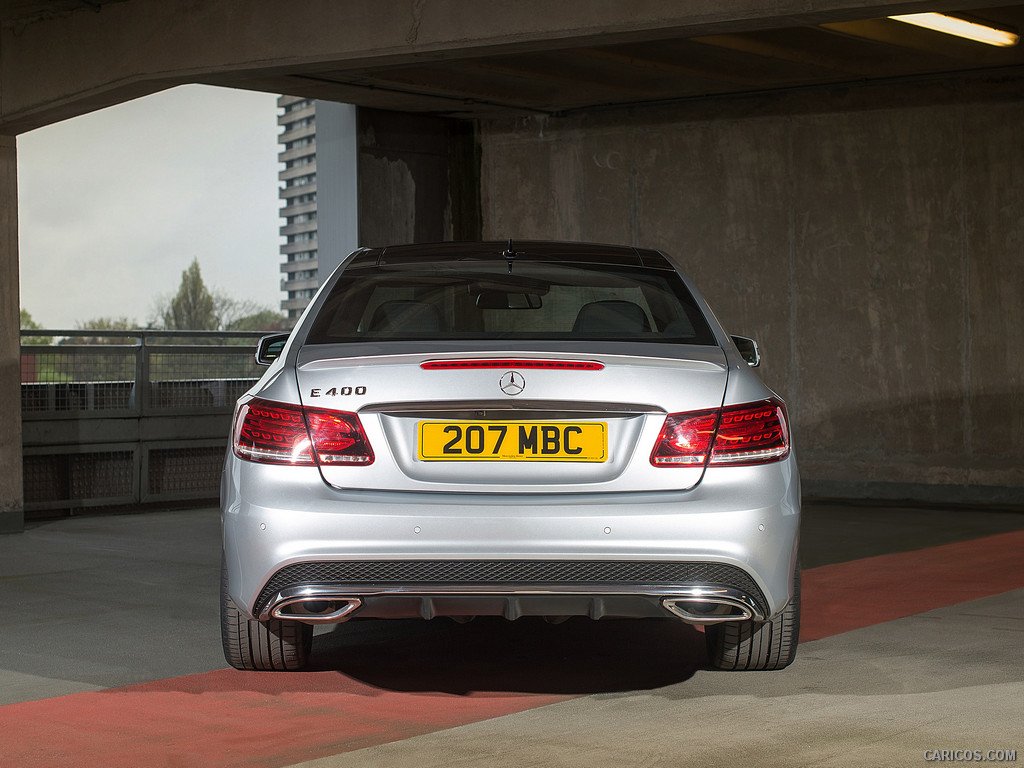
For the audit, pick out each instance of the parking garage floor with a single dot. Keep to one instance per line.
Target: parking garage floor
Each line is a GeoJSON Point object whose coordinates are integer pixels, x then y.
{"type": "Point", "coordinates": [912, 652]}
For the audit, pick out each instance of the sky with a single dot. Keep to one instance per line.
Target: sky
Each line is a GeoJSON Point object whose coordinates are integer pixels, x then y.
{"type": "Point", "coordinates": [113, 206]}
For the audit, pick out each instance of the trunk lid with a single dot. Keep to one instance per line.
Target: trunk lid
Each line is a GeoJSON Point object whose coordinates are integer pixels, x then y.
{"type": "Point", "coordinates": [539, 422]}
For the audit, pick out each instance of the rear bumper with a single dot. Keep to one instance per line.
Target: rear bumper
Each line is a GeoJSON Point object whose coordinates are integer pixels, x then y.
{"type": "Point", "coordinates": [613, 554]}
{"type": "Point", "coordinates": [334, 591]}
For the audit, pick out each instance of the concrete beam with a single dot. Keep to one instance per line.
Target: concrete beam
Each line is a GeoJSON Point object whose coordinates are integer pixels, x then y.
{"type": "Point", "coordinates": [60, 67]}
{"type": "Point", "coordinates": [12, 513]}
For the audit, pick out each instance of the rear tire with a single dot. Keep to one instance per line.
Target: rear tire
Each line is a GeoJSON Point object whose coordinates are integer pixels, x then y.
{"type": "Point", "coordinates": [275, 645]}
{"type": "Point", "coordinates": [754, 645]}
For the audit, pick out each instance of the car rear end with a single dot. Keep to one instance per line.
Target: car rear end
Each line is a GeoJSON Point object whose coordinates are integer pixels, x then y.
{"type": "Point", "coordinates": [515, 430]}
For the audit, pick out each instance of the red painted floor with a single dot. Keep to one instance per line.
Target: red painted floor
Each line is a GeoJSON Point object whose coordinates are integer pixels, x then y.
{"type": "Point", "coordinates": [846, 596]}
{"type": "Point", "coordinates": [229, 718]}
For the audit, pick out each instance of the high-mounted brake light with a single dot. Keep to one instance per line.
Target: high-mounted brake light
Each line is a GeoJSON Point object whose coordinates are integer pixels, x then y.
{"type": "Point", "coordinates": [753, 433]}
{"type": "Point", "coordinates": [280, 433]}
{"type": "Point", "coordinates": [562, 365]}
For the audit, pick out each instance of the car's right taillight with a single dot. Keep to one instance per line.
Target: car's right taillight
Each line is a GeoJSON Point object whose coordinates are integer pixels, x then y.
{"type": "Point", "coordinates": [281, 433]}
{"type": "Point", "coordinates": [752, 433]}
{"type": "Point", "coordinates": [685, 439]}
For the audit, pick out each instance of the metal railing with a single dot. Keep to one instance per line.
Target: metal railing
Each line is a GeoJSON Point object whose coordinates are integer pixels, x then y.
{"type": "Point", "coordinates": [111, 418]}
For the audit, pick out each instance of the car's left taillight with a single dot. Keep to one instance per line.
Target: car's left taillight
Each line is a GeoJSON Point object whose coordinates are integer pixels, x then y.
{"type": "Point", "coordinates": [338, 437]}
{"type": "Point", "coordinates": [281, 433]}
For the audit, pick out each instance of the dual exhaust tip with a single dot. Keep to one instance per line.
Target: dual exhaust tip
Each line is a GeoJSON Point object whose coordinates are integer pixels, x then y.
{"type": "Point", "coordinates": [702, 607]}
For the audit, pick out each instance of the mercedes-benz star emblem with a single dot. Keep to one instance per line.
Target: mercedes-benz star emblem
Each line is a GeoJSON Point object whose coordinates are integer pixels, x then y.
{"type": "Point", "coordinates": [512, 383]}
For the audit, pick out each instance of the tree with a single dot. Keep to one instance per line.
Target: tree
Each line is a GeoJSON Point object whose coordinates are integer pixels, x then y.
{"type": "Point", "coordinates": [105, 324]}
{"type": "Point", "coordinates": [263, 320]}
{"type": "Point", "coordinates": [112, 364]}
{"type": "Point", "coordinates": [28, 324]}
{"type": "Point", "coordinates": [197, 308]}
{"type": "Point", "coordinates": [192, 308]}
{"type": "Point", "coordinates": [230, 312]}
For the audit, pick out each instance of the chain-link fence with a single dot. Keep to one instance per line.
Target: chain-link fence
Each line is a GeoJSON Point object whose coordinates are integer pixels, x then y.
{"type": "Point", "coordinates": [113, 418]}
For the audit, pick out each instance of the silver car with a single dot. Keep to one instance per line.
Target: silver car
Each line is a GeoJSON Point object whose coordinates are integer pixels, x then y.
{"type": "Point", "coordinates": [510, 429]}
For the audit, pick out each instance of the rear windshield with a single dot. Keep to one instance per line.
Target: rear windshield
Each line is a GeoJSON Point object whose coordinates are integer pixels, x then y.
{"type": "Point", "coordinates": [482, 300]}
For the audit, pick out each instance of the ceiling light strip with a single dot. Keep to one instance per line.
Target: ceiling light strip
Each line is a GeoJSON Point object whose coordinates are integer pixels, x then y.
{"type": "Point", "coordinates": [951, 25]}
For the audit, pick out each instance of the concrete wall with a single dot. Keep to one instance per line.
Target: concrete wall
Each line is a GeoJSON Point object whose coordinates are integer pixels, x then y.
{"type": "Point", "coordinates": [872, 240]}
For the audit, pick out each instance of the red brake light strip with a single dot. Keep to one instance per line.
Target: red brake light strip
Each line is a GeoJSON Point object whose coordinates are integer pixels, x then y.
{"type": "Point", "coordinates": [562, 365]}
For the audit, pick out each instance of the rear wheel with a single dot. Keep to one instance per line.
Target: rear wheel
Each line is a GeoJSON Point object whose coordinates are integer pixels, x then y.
{"type": "Point", "coordinates": [261, 645]}
{"type": "Point", "coordinates": [755, 645]}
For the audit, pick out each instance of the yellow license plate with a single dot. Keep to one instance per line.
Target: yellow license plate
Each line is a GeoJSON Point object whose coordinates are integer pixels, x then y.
{"type": "Point", "coordinates": [512, 441]}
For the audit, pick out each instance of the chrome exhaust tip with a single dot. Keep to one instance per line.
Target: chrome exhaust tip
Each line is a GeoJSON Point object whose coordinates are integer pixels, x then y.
{"type": "Point", "coordinates": [316, 610]}
{"type": "Point", "coordinates": [710, 607]}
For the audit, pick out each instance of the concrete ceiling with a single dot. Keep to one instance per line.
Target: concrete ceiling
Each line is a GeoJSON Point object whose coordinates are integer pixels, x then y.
{"type": "Point", "coordinates": [29, 11]}
{"type": "Point", "coordinates": [560, 77]}
{"type": "Point", "coordinates": [566, 79]}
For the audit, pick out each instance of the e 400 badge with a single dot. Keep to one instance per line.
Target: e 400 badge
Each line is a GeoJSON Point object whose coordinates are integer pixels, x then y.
{"type": "Point", "coordinates": [337, 392]}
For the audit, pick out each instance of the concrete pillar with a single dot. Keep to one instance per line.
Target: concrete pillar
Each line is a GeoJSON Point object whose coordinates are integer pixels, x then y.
{"type": "Point", "coordinates": [406, 194]}
{"type": "Point", "coordinates": [337, 195]}
{"type": "Point", "coordinates": [12, 510]}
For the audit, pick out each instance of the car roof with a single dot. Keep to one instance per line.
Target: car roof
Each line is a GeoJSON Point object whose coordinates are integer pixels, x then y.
{"type": "Point", "coordinates": [525, 250]}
